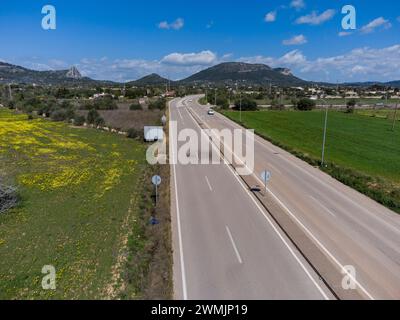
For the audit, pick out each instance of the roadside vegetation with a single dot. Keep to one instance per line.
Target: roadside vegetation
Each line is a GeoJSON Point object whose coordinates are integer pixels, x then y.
{"type": "Point", "coordinates": [83, 208]}
{"type": "Point", "coordinates": [362, 151]}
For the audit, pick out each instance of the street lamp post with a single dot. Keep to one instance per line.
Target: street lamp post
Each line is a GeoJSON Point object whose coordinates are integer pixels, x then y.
{"type": "Point", "coordinates": [325, 128]}
{"type": "Point", "coordinates": [394, 117]}
{"type": "Point", "coordinates": [240, 107]}
{"type": "Point", "coordinates": [215, 101]}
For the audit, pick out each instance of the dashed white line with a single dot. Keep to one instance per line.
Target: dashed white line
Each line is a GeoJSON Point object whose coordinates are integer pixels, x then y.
{"type": "Point", "coordinates": [234, 245]}
{"type": "Point", "coordinates": [209, 184]}
{"type": "Point", "coordinates": [323, 207]}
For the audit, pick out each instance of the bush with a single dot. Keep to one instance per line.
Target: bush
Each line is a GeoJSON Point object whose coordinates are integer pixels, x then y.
{"type": "Point", "coordinates": [305, 104]}
{"type": "Point", "coordinates": [58, 115]}
{"type": "Point", "coordinates": [247, 105]}
{"type": "Point", "coordinates": [133, 133]}
{"type": "Point", "coordinates": [99, 122]}
{"type": "Point", "coordinates": [351, 105]}
{"type": "Point", "coordinates": [159, 104]}
{"type": "Point", "coordinates": [79, 120]}
{"type": "Point", "coordinates": [135, 106]}
{"type": "Point", "coordinates": [223, 102]}
{"type": "Point", "coordinates": [92, 116]}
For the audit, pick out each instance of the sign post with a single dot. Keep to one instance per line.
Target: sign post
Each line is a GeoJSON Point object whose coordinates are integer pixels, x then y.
{"type": "Point", "coordinates": [266, 177]}
{"type": "Point", "coordinates": [156, 180]}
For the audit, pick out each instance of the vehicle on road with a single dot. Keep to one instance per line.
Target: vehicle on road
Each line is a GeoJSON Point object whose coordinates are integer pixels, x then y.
{"type": "Point", "coordinates": [210, 112]}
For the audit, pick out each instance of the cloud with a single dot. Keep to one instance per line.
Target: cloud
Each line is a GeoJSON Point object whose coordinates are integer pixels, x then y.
{"type": "Point", "coordinates": [362, 64]}
{"type": "Point", "coordinates": [295, 41]}
{"type": "Point", "coordinates": [297, 4]}
{"type": "Point", "coordinates": [376, 23]}
{"type": "Point", "coordinates": [344, 34]}
{"type": "Point", "coordinates": [176, 25]}
{"type": "Point", "coordinates": [190, 59]}
{"type": "Point", "coordinates": [270, 17]}
{"type": "Point", "coordinates": [210, 24]}
{"type": "Point", "coordinates": [315, 19]}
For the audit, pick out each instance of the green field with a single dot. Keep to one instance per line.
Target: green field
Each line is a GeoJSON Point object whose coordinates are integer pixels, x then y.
{"type": "Point", "coordinates": [79, 191]}
{"type": "Point", "coordinates": [362, 151]}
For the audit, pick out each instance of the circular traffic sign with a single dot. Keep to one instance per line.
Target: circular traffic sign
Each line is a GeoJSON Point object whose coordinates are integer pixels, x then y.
{"type": "Point", "coordinates": [266, 176]}
{"type": "Point", "coordinates": [156, 180]}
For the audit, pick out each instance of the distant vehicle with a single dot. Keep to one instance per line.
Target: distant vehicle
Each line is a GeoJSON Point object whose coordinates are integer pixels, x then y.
{"type": "Point", "coordinates": [190, 100]}
{"type": "Point", "coordinates": [210, 112]}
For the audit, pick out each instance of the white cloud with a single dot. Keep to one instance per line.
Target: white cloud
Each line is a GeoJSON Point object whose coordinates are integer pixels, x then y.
{"type": "Point", "coordinates": [376, 23]}
{"type": "Point", "coordinates": [295, 41]}
{"type": "Point", "coordinates": [270, 17]}
{"type": "Point", "coordinates": [297, 4]}
{"type": "Point", "coordinates": [210, 24]}
{"type": "Point", "coordinates": [362, 64]}
{"type": "Point", "coordinates": [316, 19]}
{"type": "Point", "coordinates": [191, 59]}
{"type": "Point", "coordinates": [176, 25]}
{"type": "Point", "coordinates": [344, 34]}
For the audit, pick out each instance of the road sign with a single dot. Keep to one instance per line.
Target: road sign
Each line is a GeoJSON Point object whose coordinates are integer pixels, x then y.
{"type": "Point", "coordinates": [266, 176]}
{"type": "Point", "coordinates": [156, 180]}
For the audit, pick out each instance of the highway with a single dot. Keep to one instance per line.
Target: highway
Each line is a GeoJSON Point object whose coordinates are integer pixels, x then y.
{"type": "Point", "coordinates": [225, 244]}
{"type": "Point", "coordinates": [349, 228]}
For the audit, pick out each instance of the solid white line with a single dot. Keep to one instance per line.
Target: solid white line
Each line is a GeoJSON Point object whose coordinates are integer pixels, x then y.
{"type": "Point", "coordinates": [234, 245]}
{"type": "Point", "coordinates": [209, 184]}
{"type": "Point", "coordinates": [182, 260]}
{"type": "Point", "coordinates": [311, 235]}
{"type": "Point", "coordinates": [323, 207]}
{"type": "Point", "coordinates": [179, 113]}
{"type": "Point", "coordinates": [267, 218]}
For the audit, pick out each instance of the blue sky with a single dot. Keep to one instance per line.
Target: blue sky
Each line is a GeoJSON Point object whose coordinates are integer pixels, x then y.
{"type": "Point", "coordinates": [123, 40]}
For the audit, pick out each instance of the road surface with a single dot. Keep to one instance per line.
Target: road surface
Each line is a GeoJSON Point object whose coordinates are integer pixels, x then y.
{"type": "Point", "coordinates": [348, 227]}
{"type": "Point", "coordinates": [225, 245]}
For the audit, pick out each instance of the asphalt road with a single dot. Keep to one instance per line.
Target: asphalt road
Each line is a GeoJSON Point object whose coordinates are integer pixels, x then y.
{"type": "Point", "coordinates": [348, 227]}
{"type": "Point", "coordinates": [225, 245]}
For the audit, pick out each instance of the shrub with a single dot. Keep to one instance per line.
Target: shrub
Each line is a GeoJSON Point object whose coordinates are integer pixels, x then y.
{"type": "Point", "coordinates": [305, 104]}
{"type": "Point", "coordinates": [79, 120]}
{"type": "Point", "coordinates": [159, 104]}
{"type": "Point", "coordinates": [133, 133]}
{"type": "Point", "coordinates": [92, 116]}
{"type": "Point", "coordinates": [246, 105]}
{"type": "Point", "coordinates": [58, 115]}
{"type": "Point", "coordinates": [351, 104]}
{"type": "Point", "coordinates": [100, 122]}
{"type": "Point", "coordinates": [135, 106]}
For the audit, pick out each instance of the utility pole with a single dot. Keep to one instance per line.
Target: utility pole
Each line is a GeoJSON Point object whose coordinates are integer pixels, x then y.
{"type": "Point", "coordinates": [394, 118]}
{"type": "Point", "coordinates": [215, 100]}
{"type": "Point", "coordinates": [324, 139]}
{"type": "Point", "coordinates": [240, 106]}
{"type": "Point", "coordinates": [10, 92]}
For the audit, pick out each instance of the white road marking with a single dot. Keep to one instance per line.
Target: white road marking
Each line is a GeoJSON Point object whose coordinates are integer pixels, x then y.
{"type": "Point", "coordinates": [180, 114]}
{"type": "Point", "coordinates": [234, 245]}
{"type": "Point", "coordinates": [209, 184]}
{"type": "Point", "coordinates": [323, 207]}
{"type": "Point", "coordinates": [333, 258]}
{"type": "Point", "coordinates": [182, 260]}
{"type": "Point", "coordinates": [266, 217]}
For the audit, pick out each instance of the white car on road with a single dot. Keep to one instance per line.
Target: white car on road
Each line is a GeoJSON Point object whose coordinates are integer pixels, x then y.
{"type": "Point", "coordinates": [210, 112]}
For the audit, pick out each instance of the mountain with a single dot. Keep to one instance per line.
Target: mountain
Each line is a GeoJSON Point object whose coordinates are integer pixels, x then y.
{"type": "Point", "coordinates": [244, 73]}
{"type": "Point", "coordinates": [152, 79]}
{"type": "Point", "coordinates": [10, 73]}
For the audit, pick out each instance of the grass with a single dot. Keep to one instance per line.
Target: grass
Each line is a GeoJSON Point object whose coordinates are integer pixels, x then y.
{"type": "Point", "coordinates": [80, 192]}
{"type": "Point", "coordinates": [361, 151]}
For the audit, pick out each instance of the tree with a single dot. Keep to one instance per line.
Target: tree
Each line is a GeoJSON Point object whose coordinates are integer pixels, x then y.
{"type": "Point", "coordinates": [135, 106]}
{"type": "Point", "coordinates": [305, 104]}
{"type": "Point", "coordinates": [92, 116]}
{"type": "Point", "coordinates": [79, 120]}
{"type": "Point", "coordinates": [246, 105]}
{"type": "Point", "coordinates": [99, 122]}
{"type": "Point", "coordinates": [351, 104]}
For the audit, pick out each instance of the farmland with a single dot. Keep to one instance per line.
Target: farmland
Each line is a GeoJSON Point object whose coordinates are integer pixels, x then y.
{"type": "Point", "coordinates": [361, 150]}
{"type": "Point", "coordinates": [79, 199]}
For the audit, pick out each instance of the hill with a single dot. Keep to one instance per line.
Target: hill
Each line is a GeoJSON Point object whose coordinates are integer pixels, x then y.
{"type": "Point", "coordinates": [152, 79]}
{"type": "Point", "coordinates": [10, 73]}
{"type": "Point", "coordinates": [244, 73]}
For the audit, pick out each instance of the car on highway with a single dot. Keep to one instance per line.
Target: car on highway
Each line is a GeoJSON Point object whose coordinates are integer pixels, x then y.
{"type": "Point", "coordinates": [210, 112]}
